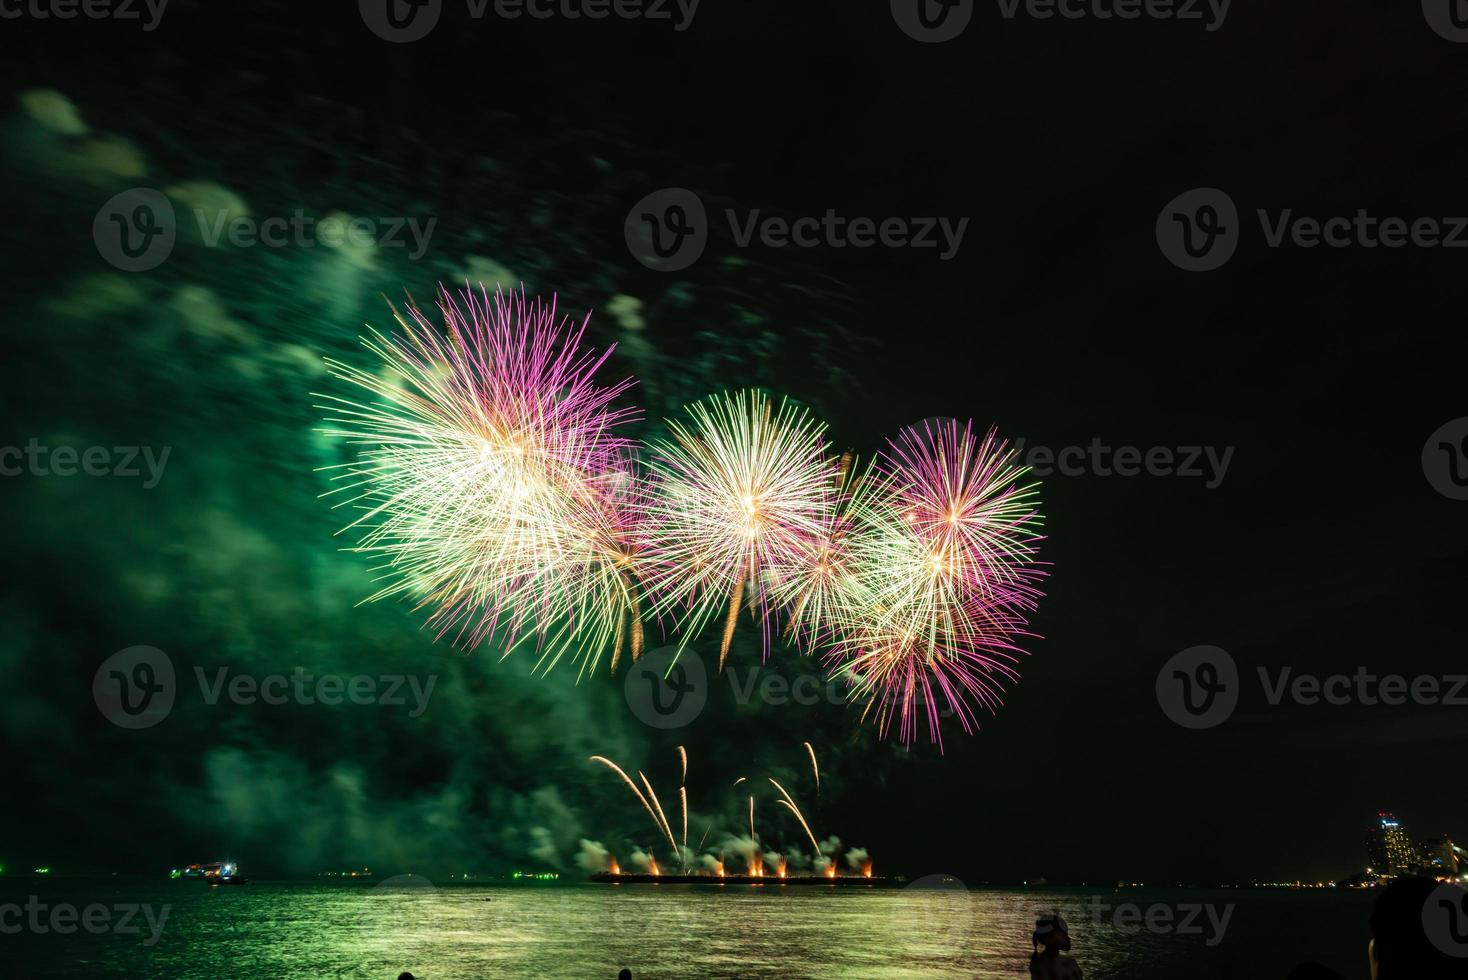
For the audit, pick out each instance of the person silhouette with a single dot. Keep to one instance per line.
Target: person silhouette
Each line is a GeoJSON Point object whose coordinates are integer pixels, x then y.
{"type": "Point", "coordinates": [1051, 940]}
{"type": "Point", "coordinates": [624, 974]}
{"type": "Point", "coordinates": [1401, 947]}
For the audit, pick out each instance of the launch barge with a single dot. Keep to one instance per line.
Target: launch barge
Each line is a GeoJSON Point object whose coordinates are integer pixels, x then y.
{"type": "Point", "coordinates": [774, 881]}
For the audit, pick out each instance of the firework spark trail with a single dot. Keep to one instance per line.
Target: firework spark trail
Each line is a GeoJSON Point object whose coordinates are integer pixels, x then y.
{"type": "Point", "coordinates": [813, 767]}
{"type": "Point", "coordinates": [635, 791]}
{"type": "Point", "coordinates": [944, 575]}
{"type": "Point", "coordinates": [751, 819]}
{"type": "Point", "coordinates": [491, 482]}
{"type": "Point", "coordinates": [683, 757]}
{"type": "Point", "coordinates": [652, 795]}
{"type": "Point", "coordinates": [740, 780]}
{"type": "Point", "coordinates": [790, 805]}
{"type": "Point", "coordinates": [736, 489]}
{"type": "Point", "coordinates": [683, 795]}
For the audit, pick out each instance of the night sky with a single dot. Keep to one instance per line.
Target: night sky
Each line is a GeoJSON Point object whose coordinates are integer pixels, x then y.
{"type": "Point", "coordinates": [1324, 548]}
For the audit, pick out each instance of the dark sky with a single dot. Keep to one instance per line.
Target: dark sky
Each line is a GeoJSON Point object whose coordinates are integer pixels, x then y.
{"type": "Point", "coordinates": [1323, 549]}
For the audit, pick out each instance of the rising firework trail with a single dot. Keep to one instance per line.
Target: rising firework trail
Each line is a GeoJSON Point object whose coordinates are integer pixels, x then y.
{"type": "Point", "coordinates": [813, 766]}
{"type": "Point", "coordinates": [789, 804]}
{"type": "Point", "coordinates": [636, 792]}
{"type": "Point", "coordinates": [652, 795]}
{"type": "Point", "coordinates": [683, 756]}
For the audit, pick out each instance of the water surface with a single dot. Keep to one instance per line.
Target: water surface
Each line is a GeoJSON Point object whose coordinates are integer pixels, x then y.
{"type": "Point", "coordinates": [365, 929]}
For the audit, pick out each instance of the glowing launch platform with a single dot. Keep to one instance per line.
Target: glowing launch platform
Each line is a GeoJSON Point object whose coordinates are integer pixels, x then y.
{"type": "Point", "coordinates": [768, 881]}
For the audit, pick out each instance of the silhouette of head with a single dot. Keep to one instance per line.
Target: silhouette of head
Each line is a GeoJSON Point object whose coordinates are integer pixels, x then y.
{"type": "Point", "coordinates": [1052, 932]}
{"type": "Point", "coordinates": [1401, 948]}
{"type": "Point", "coordinates": [624, 974]}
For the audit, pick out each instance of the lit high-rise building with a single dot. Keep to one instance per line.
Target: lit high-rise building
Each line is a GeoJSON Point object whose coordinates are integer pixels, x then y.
{"type": "Point", "coordinates": [1438, 855]}
{"type": "Point", "coordinates": [1388, 848]}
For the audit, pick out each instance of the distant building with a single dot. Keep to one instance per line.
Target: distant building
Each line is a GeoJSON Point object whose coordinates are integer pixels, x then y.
{"type": "Point", "coordinates": [1439, 855]}
{"type": "Point", "coordinates": [1388, 848]}
{"type": "Point", "coordinates": [1375, 850]}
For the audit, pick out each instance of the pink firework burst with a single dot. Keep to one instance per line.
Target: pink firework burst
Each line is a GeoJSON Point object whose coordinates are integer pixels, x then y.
{"type": "Point", "coordinates": [493, 485]}
{"type": "Point", "coordinates": [943, 573]}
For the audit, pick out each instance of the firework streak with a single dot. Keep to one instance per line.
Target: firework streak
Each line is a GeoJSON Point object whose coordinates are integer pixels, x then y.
{"type": "Point", "coordinates": [494, 488]}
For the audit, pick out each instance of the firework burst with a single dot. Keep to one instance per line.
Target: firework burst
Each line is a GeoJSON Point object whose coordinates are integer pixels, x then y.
{"type": "Point", "coordinates": [944, 571]}
{"type": "Point", "coordinates": [739, 489]}
{"type": "Point", "coordinates": [492, 484]}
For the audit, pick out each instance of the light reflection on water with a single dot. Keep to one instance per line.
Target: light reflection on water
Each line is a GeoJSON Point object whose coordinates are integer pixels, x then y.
{"type": "Point", "coordinates": [361, 930]}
